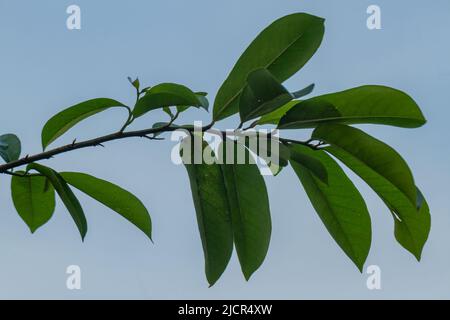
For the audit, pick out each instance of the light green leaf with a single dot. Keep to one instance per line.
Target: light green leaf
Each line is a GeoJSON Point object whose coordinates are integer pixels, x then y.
{"type": "Point", "coordinates": [66, 119]}
{"type": "Point", "coordinates": [213, 213]}
{"type": "Point", "coordinates": [65, 193]}
{"type": "Point", "coordinates": [373, 153]}
{"type": "Point", "coordinates": [366, 104]}
{"type": "Point", "coordinates": [114, 197]}
{"type": "Point", "coordinates": [275, 116]}
{"type": "Point", "coordinates": [10, 147]}
{"type": "Point", "coordinates": [33, 198]}
{"type": "Point", "coordinates": [166, 95]}
{"type": "Point", "coordinates": [339, 205]}
{"type": "Point", "coordinates": [250, 211]}
{"type": "Point", "coordinates": [412, 227]}
{"type": "Point", "coordinates": [283, 48]}
{"type": "Point", "coordinates": [263, 94]}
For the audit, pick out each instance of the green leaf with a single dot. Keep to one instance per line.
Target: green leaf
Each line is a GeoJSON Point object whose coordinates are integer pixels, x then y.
{"type": "Point", "coordinates": [275, 116]}
{"type": "Point", "coordinates": [33, 199]}
{"type": "Point", "coordinates": [366, 104]}
{"type": "Point", "coordinates": [135, 83]}
{"type": "Point", "coordinates": [283, 48]}
{"type": "Point", "coordinates": [114, 197]}
{"type": "Point", "coordinates": [204, 103]}
{"type": "Point", "coordinates": [378, 156]}
{"type": "Point", "coordinates": [275, 154]}
{"type": "Point", "coordinates": [304, 92]}
{"type": "Point", "coordinates": [65, 193]}
{"type": "Point", "coordinates": [10, 147]}
{"type": "Point", "coordinates": [66, 119]}
{"type": "Point", "coordinates": [250, 211]}
{"type": "Point", "coordinates": [263, 94]}
{"type": "Point", "coordinates": [412, 227]}
{"type": "Point", "coordinates": [166, 95]}
{"type": "Point", "coordinates": [315, 166]}
{"type": "Point", "coordinates": [339, 204]}
{"type": "Point", "coordinates": [213, 213]}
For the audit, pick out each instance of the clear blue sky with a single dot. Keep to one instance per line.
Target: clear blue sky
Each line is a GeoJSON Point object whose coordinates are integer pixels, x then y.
{"type": "Point", "coordinates": [44, 68]}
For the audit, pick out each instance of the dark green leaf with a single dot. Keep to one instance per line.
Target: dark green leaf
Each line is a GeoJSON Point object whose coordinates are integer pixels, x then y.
{"type": "Point", "coordinates": [33, 199]}
{"type": "Point", "coordinates": [213, 213]}
{"type": "Point", "coordinates": [65, 193]}
{"type": "Point", "coordinates": [411, 227]}
{"type": "Point", "coordinates": [250, 211]}
{"type": "Point", "coordinates": [315, 166]}
{"type": "Point", "coordinates": [10, 147]}
{"type": "Point", "coordinates": [63, 121]}
{"type": "Point", "coordinates": [304, 92]}
{"type": "Point", "coordinates": [114, 197]}
{"type": "Point", "coordinates": [339, 205]}
{"type": "Point", "coordinates": [371, 152]}
{"type": "Point", "coordinates": [166, 95]}
{"type": "Point", "coordinates": [283, 48]}
{"type": "Point", "coordinates": [367, 104]}
{"type": "Point", "coordinates": [263, 94]}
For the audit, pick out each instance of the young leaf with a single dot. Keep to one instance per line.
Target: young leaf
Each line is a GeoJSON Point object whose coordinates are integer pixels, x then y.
{"type": "Point", "coordinates": [66, 119]}
{"type": "Point", "coordinates": [114, 197]}
{"type": "Point", "coordinates": [366, 104]}
{"type": "Point", "coordinates": [10, 147]}
{"type": "Point", "coordinates": [275, 116]}
{"type": "Point", "coordinates": [411, 227]}
{"type": "Point", "coordinates": [65, 193]}
{"type": "Point", "coordinates": [283, 48]}
{"type": "Point", "coordinates": [263, 94]}
{"type": "Point", "coordinates": [213, 212]}
{"type": "Point", "coordinates": [34, 199]}
{"type": "Point", "coordinates": [371, 152]}
{"type": "Point", "coordinates": [250, 211]}
{"type": "Point", "coordinates": [339, 205]}
{"type": "Point", "coordinates": [166, 95]}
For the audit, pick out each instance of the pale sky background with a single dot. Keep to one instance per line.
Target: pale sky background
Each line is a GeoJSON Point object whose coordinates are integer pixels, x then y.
{"type": "Point", "coordinates": [44, 67]}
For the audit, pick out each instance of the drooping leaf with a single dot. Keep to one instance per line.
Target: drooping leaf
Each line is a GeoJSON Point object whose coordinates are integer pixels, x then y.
{"type": "Point", "coordinates": [66, 119]}
{"type": "Point", "coordinates": [313, 165]}
{"type": "Point", "coordinates": [33, 198]}
{"type": "Point", "coordinates": [339, 205]}
{"type": "Point", "coordinates": [66, 194]}
{"type": "Point", "coordinates": [283, 48]}
{"type": "Point", "coordinates": [250, 211]}
{"type": "Point", "coordinates": [366, 104]}
{"type": "Point", "coordinates": [10, 147]}
{"type": "Point", "coordinates": [375, 154]}
{"type": "Point", "coordinates": [412, 227]}
{"type": "Point", "coordinates": [204, 102]}
{"type": "Point", "coordinates": [275, 116]}
{"type": "Point", "coordinates": [166, 95]}
{"type": "Point", "coordinates": [114, 197]}
{"type": "Point", "coordinates": [213, 212]}
{"type": "Point", "coordinates": [263, 94]}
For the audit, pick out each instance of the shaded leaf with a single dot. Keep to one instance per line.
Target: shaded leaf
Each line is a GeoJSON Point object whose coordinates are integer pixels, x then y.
{"type": "Point", "coordinates": [66, 119]}
{"type": "Point", "coordinates": [65, 193]}
{"type": "Point", "coordinates": [339, 205]}
{"type": "Point", "coordinates": [250, 211]}
{"type": "Point", "coordinates": [213, 213]}
{"type": "Point", "coordinates": [411, 227]}
{"type": "Point", "coordinates": [371, 152]}
{"type": "Point", "coordinates": [304, 92]}
{"type": "Point", "coordinates": [10, 147]}
{"type": "Point", "coordinates": [366, 104]}
{"type": "Point", "coordinates": [114, 197]}
{"type": "Point", "coordinates": [283, 48]}
{"type": "Point", "coordinates": [263, 94]}
{"type": "Point", "coordinates": [166, 95]}
{"type": "Point", "coordinates": [275, 116]}
{"type": "Point", "coordinates": [314, 165]}
{"type": "Point", "coordinates": [33, 199]}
